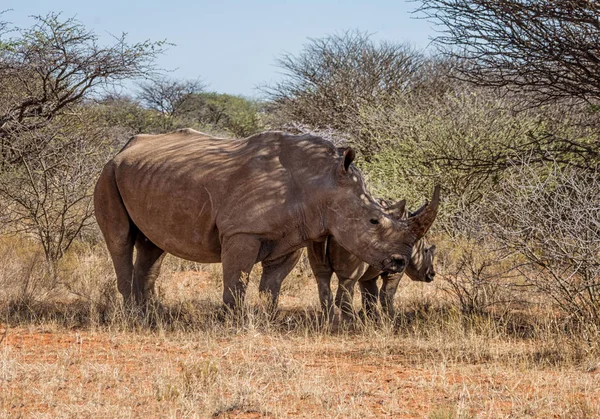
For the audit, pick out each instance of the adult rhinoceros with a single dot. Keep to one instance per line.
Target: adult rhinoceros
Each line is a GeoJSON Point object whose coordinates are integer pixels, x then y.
{"type": "Point", "coordinates": [239, 202]}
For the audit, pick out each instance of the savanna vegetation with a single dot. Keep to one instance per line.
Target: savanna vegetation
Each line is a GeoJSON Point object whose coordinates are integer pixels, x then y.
{"type": "Point", "coordinates": [503, 112]}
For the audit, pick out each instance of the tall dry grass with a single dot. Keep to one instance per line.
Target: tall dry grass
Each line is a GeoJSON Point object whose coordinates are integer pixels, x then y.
{"type": "Point", "coordinates": [183, 358]}
{"type": "Point", "coordinates": [84, 295]}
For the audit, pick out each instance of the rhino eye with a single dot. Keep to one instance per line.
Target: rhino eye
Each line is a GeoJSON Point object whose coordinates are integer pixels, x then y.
{"type": "Point", "coordinates": [374, 221]}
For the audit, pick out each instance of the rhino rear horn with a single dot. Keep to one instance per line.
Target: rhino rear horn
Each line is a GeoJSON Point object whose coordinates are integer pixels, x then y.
{"type": "Point", "coordinates": [398, 210]}
{"type": "Point", "coordinates": [424, 217]}
{"type": "Point", "coordinates": [419, 210]}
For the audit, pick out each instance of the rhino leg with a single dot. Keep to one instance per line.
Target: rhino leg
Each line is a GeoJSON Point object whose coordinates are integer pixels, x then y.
{"type": "Point", "coordinates": [322, 271]}
{"type": "Point", "coordinates": [146, 269]}
{"type": "Point", "coordinates": [238, 256]}
{"type": "Point", "coordinates": [345, 296]}
{"type": "Point", "coordinates": [118, 230]}
{"type": "Point", "coordinates": [122, 258]}
{"type": "Point", "coordinates": [369, 293]}
{"type": "Point", "coordinates": [388, 290]}
{"type": "Point", "coordinates": [274, 272]}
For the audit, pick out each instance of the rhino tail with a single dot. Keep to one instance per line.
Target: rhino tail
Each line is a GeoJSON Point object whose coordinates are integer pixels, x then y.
{"type": "Point", "coordinates": [326, 249]}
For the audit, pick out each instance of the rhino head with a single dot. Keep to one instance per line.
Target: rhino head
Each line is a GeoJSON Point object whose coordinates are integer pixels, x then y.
{"type": "Point", "coordinates": [421, 266]}
{"type": "Point", "coordinates": [363, 227]}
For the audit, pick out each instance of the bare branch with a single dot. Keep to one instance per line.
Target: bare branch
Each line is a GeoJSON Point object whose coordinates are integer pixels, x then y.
{"type": "Point", "coordinates": [547, 50]}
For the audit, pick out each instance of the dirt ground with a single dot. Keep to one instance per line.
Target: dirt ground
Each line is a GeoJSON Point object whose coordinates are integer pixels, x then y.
{"type": "Point", "coordinates": [50, 370]}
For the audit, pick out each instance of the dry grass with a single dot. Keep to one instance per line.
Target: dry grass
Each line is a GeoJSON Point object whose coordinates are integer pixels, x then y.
{"type": "Point", "coordinates": [70, 350]}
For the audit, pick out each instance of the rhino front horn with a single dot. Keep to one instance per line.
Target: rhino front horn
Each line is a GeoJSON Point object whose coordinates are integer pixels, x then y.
{"type": "Point", "coordinates": [420, 223]}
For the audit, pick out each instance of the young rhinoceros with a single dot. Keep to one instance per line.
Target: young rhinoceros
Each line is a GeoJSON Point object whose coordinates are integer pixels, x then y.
{"type": "Point", "coordinates": [420, 268]}
{"type": "Point", "coordinates": [240, 202]}
{"type": "Point", "coordinates": [331, 257]}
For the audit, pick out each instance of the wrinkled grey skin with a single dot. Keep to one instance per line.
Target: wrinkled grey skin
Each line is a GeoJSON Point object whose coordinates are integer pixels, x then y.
{"type": "Point", "coordinates": [240, 202]}
{"type": "Point", "coordinates": [331, 257]}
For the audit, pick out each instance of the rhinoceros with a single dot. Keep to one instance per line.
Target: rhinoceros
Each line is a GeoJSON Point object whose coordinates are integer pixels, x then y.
{"type": "Point", "coordinates": [328, 257]}
{"type": "Point", "coordinates": [420, 268]}
{"type": "Point", "coordinates": [240, 202]}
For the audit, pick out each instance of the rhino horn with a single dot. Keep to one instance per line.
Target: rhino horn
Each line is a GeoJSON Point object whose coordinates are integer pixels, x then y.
{"type": "Point", "coordinates": [424, 217]}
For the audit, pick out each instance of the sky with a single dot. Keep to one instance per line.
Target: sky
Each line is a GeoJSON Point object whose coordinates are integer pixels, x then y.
{"type": "Point", "coordinates": [231, 46]}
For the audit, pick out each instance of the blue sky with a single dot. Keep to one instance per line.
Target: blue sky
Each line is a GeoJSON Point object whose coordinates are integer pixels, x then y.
{"type": "Point", "coordinates": [232, 45]}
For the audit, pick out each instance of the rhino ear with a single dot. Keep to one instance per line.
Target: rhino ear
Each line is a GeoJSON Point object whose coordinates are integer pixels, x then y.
{"type": "Point", "coordinates": [349, 156]}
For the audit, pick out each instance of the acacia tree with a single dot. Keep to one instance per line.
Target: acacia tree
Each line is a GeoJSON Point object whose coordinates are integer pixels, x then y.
{"type": "Point", "coordinates": [549, 50]}
{"type": "Point", "coordinates": [334, 78]}
{"type": "Point", "coordinates": [551, 218]}
{"type": "Point", "coordinates": [166, 95]}
{"type": "Point", "coordinates": [51, 67]}
{"type": "Point", "coordinates": [541, 54]}
{"type": "Point", "coordinates": [222, 113]}
{"type": "Point", "coordinates": [48, 194]}
{"type": "Point", "coordinates": [544, 204]}
{"type": "Point", "coordinates": [49, 147]}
